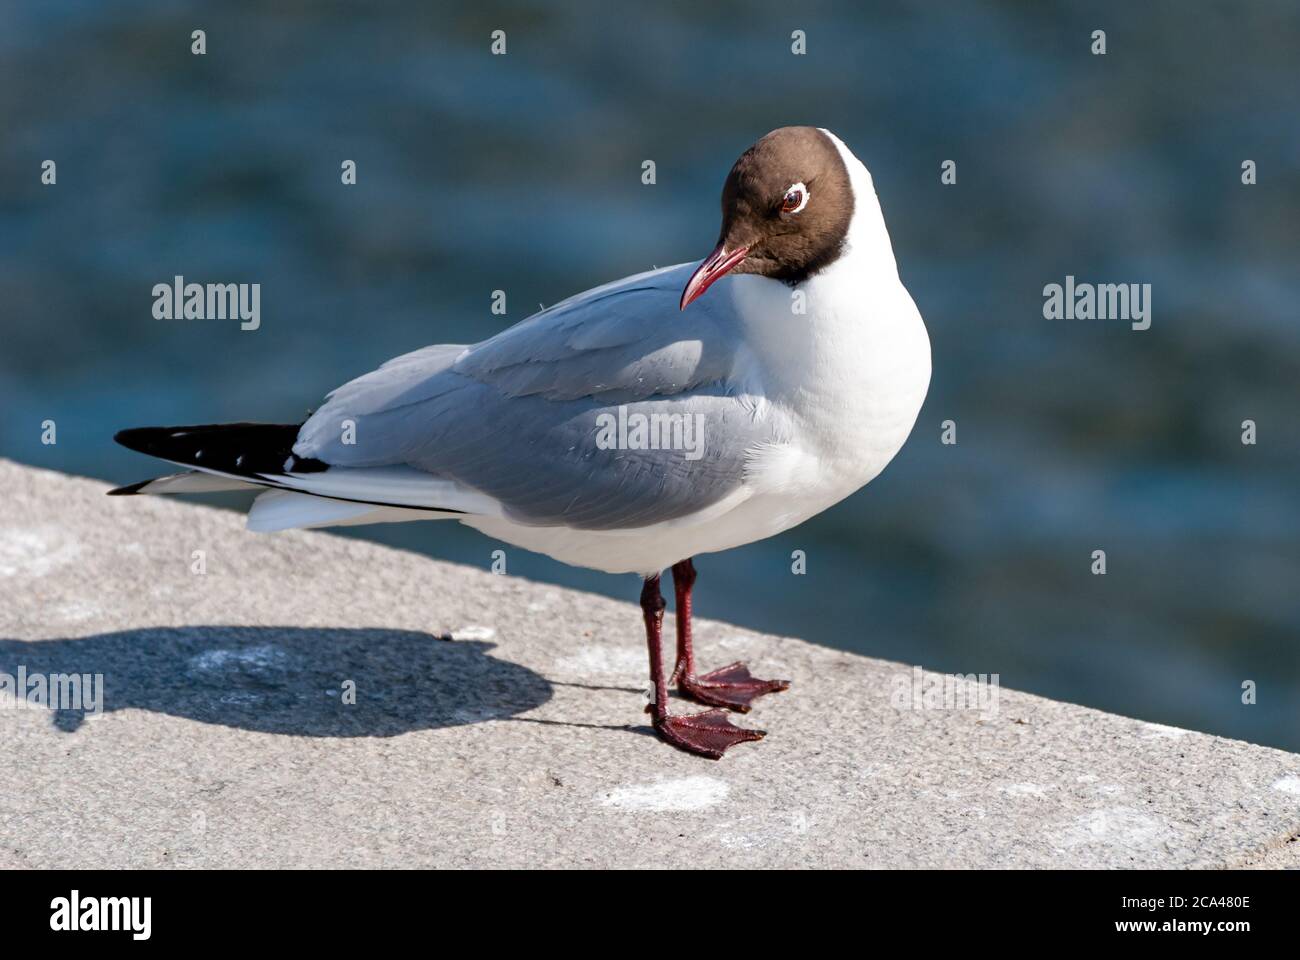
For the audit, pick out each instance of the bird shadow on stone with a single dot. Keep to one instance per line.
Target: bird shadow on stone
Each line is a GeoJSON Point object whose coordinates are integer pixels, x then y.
{"type": "Point", "coordinates": [326, 682]}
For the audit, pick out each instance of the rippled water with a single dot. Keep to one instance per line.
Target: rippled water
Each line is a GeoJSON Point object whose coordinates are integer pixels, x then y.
{"type": "Point", "coordinates": [522, 173]}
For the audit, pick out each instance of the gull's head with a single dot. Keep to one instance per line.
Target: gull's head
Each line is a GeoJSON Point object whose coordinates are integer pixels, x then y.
{"type": "Point", "coordinates": [786, 209]}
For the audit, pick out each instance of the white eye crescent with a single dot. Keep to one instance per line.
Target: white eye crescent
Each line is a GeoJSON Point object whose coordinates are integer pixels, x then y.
{"type": "Point", "coordinates": [795, 199]}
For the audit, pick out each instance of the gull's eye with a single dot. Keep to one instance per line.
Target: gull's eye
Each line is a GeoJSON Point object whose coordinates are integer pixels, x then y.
{"type": "Point", "coordinates": [795, 199]}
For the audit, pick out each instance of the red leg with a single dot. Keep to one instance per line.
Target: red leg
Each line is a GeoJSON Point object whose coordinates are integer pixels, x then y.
{"type": "Point", "coordinates": [683, 580]}
{"type": "Point", "coordinates": [708, 734]}
{"type": "Point", "coordinates": [731, 686]}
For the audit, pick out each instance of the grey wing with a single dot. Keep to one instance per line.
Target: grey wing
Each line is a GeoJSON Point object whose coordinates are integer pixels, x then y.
{"type": "Point", "coordinates": [608, 411]}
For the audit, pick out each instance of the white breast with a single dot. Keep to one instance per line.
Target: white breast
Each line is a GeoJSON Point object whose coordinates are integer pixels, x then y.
{"type": "Point", "coordinates": [852, 369]}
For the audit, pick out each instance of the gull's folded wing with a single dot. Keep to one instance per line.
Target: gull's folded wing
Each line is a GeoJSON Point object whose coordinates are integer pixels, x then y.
{"type": "Point", "coordinates": [524, 419]}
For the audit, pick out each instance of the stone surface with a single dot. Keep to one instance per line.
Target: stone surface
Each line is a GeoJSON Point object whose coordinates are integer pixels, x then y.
{"type": "Point", "coordinates": [224, 740]}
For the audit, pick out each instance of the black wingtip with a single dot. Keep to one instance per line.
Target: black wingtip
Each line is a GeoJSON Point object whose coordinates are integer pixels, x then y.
{"type": "Point", "coordinates": [139, 439]}
{"type": "Point", "coordinates": [146, 439]}
{"type": "Point", "coordinates": [241, 449]}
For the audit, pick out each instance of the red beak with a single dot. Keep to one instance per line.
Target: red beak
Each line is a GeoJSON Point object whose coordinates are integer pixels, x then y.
{"type": "Point", "coordinates": [714, 266]}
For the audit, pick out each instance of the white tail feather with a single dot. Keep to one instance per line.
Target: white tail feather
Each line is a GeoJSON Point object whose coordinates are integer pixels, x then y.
{"type": "Point", "coordinates": [286, 510]}
{"type": "Point", "coordinates": [194, 481]}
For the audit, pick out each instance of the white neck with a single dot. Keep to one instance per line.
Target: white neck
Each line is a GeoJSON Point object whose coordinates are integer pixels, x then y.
{"type": "Point", "coordinates": [867, 253]}
{"type": "Point", "coordinates": [855, 364]}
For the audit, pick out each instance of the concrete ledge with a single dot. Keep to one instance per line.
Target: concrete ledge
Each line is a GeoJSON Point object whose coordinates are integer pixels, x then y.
{"type": "Point", "coordinates": [224, 740]}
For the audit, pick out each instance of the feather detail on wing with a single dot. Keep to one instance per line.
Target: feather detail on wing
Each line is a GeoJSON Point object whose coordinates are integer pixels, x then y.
{"type": "Point", "coordinates": [523, 420]}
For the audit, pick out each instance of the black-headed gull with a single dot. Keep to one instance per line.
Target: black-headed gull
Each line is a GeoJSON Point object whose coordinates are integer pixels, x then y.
{"type": "Point", "coordinates": [636, 425]}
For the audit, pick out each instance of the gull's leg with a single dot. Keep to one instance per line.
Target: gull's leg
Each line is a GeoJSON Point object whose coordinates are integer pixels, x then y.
{"type": "Point", "coordinates": [731, 686]}
{"type": "Point", "coordinates": [683, 580]}
{"type": "Point", "coordinates": [708, 734]}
